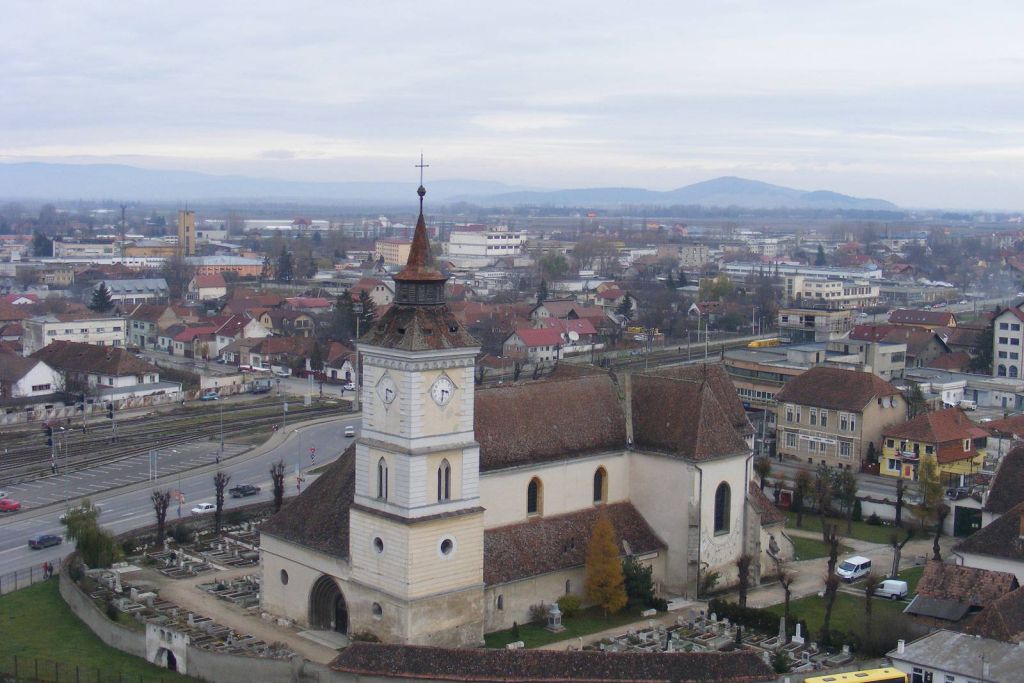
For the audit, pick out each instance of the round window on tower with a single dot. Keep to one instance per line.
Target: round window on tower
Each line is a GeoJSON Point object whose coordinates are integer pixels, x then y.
{"type": "Point", "coordinates": [378, 544]}
{"type": "Point", "coordinates": [284, 578]}
{"type": "Point", "coordinates": [446, 547]}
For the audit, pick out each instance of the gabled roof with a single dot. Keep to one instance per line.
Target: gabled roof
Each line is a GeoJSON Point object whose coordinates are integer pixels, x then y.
{"type": "Point", "coordinates": [13, 368]}
{"type": "Point", "coordinates": [1001, 538]}
{"type": "Point", "coordinates": [539, 336]}
{"type": "Point", "coordinates": [479, 665]}
{"type": "Point", "coordinates": [148, 312]}
{"type": "Point", "coordinates": [1007, 489]}
{"type": "Point", "coordinates": [835, 388]}
{"type": "Point", "coordinates": [212, 281]}
{"type": "Point", "coordinates": [909, 316]}
{"type": "Point", "coordinates": [968, 585]}
{"type": "Point", "coordinates": [296, 346]}
{"type": "Point", "coordinates": [547, 419]}
{"type": "Point", "coordinates": [958, 361]}
{"type": "Point", "coordinates": [547, 544]}
{"type": "Point", "coordinates": [87, 358]}
{"type": "Point", "coordinates": [765, 508]}
{"type": "Point", "coordinates": [937, 608]}
{"type": "Point", "coordinates": [937, 426]}
{"type": "Point", "coordinates": [1003, 619]}
{"type": "Point", "coordinates": [308, 302]}
{"type": "Point", "coordinates": [233, 326]}
{"type": "Point", "coordinates": [579, 325]}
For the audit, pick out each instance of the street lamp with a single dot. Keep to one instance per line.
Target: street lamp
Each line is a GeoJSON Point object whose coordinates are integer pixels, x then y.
{"type": "Point", "coordinates": [357, 308]}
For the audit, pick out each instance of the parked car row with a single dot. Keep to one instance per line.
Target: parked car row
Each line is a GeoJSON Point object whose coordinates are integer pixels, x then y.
{"type": "Point", "coordinates": [858, 567]}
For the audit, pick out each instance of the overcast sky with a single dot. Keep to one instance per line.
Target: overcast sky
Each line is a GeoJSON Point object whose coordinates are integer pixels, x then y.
{"type": "Point", "coordinates": [920, 103]}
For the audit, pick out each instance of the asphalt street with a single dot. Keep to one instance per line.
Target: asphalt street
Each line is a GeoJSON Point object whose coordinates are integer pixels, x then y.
{"type": "Point", "coordinates": [130, 509]}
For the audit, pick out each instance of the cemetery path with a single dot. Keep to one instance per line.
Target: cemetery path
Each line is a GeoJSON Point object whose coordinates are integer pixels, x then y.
{"type": "Point", "coordinates": [185, 594]}
{"type": "Point", "coordinates": [665, 618]}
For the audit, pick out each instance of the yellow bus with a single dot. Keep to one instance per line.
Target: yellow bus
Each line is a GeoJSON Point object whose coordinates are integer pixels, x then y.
{"type": "Point", "coordinates": [866, 676]}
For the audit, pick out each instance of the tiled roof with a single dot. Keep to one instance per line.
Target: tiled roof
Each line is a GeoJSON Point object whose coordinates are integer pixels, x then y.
{"type": "Point", "coordinates": [718, 380]}
{"type": "Point", "coordinates": [956, 362]}
{"type": "Point", "coordinates": [1007, 489]}
{"type": "Point", "coordinates": [306, 520]}
{"type": "Point", "coordinates": [297, 346]}
{"type": "Point", "coordinates": [420, 265]}
{"type": "Point", "coordinates": [548, 419]}
{"type": "Point", "coordinates": [579, 325]}
{"type": "Point", "coordinates": [87, 358]}
{"type": "Point", "coordinates": [542, 336]}
{"type": "Point", "coordinates": [765, 508]}
{"type": "Point", "coordinates": [546, 544]}
{"type": "Point", "coordinates": [148, 312]}
{"type": "Point", "coordinates": [481, 665]}
{"type": "Point", "coordinates": [968, 585]}
{"type": "Point", "coordinates": [937, 608]}
{"type": "Point", "coordinates": [834, 388]}
{"type": "Point", "coordinates": [211, 281]}
{"type": "Point", "coordinates": [13, 368]}
{"type": "Point", "coordinates": [937, 426]}
{"type": "Point", "coordinates": [909, 316]}
{"type": "Point", "coordinates": [1002, 620]}
{"type": "Point", "coordinates": [11, 312]}
{"type": "Point", "coordinates": [308, 302]}
{"type": "Point", "coordinates": [419, 328]}
{"type": "Point", "coordinates": [1001, 538]}
{"type": "Point", "coordinates": [192, 331]}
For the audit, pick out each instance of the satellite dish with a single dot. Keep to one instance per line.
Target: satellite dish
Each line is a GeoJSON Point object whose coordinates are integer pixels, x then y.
{"type": "Point", "coordinates": [574, 335]}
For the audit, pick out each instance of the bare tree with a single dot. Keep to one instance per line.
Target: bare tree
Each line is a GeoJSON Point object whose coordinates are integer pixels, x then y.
{"type": "Point", "coordinates": [743, 568]}
{"type": "Point", "coordinates": [277, 477]}
{"type": "Point", "coordinates": [786, 579]}
{"type": "Point", "coordinates": [871, 585]}
{"type": "Point", "coordinates": [220, 483]}
{"type": "Point", "coordinates": [161, 501]}
{"type": "Point", "coordinates": [897, 549]}
{"type": "Point", "coordinates": [831, 580]}
{"type": "Point", "coordinates": [763, 467]}
{"type": "Point", "coordinates": [802, 490]}
{"type": "Point", "coordinates": [900, 492]}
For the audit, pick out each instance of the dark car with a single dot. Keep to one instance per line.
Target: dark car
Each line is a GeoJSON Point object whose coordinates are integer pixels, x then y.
{"type": "Point", "coordinates": [41, 541]}
{"type": "Point", "coordinates": [244, 490]}
{"type": "Point", "coordinates": [958, 492]}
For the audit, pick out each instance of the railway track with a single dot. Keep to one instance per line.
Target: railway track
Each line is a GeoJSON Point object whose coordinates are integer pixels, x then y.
{"type": "Point", "coordinates": [97, 447]}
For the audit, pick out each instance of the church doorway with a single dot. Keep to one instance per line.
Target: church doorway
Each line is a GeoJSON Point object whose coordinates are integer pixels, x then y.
{"type": "Point", "coordinates": [327, 608]}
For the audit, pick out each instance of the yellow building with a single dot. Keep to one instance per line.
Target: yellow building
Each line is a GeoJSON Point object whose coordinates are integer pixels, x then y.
{"type": "Point", "coordinates": [395, 252]}
{"type": "Point", "coordinates": [947, 437]}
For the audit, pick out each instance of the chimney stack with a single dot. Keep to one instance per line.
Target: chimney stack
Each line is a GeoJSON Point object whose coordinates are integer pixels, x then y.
{"type": "Point", "coordinates": [901, 646]}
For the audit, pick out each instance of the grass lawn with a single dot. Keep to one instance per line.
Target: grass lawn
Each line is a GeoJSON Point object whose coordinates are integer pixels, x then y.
{"type": "Point", "coordinates": [811, 548]}
{"type": "Point", "coordinates": [590, 620]}
{"type": "Point", "coordinates": [35, 623]}
{"type": "Point", "coordinates": [861, 530]}
{"type": "Point", "coordinates": [847, 613]}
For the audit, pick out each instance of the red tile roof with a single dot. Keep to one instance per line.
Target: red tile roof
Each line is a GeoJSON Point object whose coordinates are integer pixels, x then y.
{"type": "Point", "coordinates": [1001, 538]}
{"type": "Point", "coordinates": [542, 336]}
{"type": "Point", "coordinates": [88, 358]}
{"type": "Point", "coordinates": [836, 389]}
{"type": "Point", "coordinates": [909, 316]}
{"type": "Point", "coordinates": [765, 508]}
{"type": "Point", "coordinates": [1002, 620]}
{"type": "Point", "coordinates": [210, 281]}
{"type": "Point", "coordinates": [1007, 489]}
{"type": "Point", "coordinates": [966, 585]}
{"type": "Point", "coordinates": [945, 428]}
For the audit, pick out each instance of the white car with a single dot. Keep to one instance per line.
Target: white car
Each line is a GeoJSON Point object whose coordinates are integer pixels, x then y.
{"type": "Point", "coordinates": [348, 386]}
{"type": "Point", "coordinates": [350, 431]}
{"type": "Point", "coordinates": [203, 507]}
{"type": "Point", "coordinates": [893, 589]}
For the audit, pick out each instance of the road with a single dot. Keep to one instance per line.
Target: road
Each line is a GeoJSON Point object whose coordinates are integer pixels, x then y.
{"type": "Point", "coordinates": [131, 508]}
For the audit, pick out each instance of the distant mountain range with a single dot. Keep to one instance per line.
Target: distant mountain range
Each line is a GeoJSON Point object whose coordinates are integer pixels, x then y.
{"type": "Point", "coordinates": [44, 181]}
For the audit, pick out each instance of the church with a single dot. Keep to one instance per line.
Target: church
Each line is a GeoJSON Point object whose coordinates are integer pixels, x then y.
{"type": "Point", "coordinates": [457, 508]}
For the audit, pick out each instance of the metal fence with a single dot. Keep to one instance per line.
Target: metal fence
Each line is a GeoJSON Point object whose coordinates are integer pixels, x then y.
{"type": "Point", "coordinates": [22, 578]}
{"type": "Point", "coordinates": [15, 669]}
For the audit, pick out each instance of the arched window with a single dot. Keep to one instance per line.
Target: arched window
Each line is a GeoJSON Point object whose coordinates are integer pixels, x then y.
{"type": "Point", "coordinates": [535, 497]}
{"type": "Point", "coordinates": [382, 479]}
{"type": "Point", "coordinates": [1013, 371]}
{"type": "Point", "coordinates": [444, 481]}
{"type": "Point", "coordinates": [568, 586]}
{"type": "Point", "coordinates": [600, 485]}
{"type": "Point", "coordinates": [1002, 371]}
{"type": "Point", "coordinates": [722, 500]}
{"type": "Point", "coordinates": [501, 602]}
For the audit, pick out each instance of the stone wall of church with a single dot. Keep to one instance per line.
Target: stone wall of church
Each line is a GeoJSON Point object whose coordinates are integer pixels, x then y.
{"type": "Point", "coordinates": [661, 489]}
{"type": "Point", "coordinates": [568, 486]}
{"type": "Point", "coordinates": [719, 550]}
{"type": "Point", "coordinates": [303, 567]}
{"type": "Point", "coordinates": [517, 597]}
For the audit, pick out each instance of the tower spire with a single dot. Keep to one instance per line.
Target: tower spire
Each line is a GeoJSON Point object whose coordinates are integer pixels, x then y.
{"type": "Point", "coordinates": [421, 191]}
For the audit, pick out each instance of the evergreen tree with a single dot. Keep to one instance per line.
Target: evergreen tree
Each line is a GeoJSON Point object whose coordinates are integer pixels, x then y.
{"type": "Point", "coordinates": [42, 245]}
{"type": "Point", "coordinates": [604, 584]}
{"type": "Point", "coordinates": [102, 301]}
{"type": "Point", "coordinates": [681, 281]}
{"type": "Point", "coordinates": [285, 266]}
{"type": "Point", "coordinates": [542, 291]}
{"type": "Point", "coordinates": [820, 260]}
{"type": "Point", "coordinates": [625, 309]}
{"type": "Point", "coordinates": [316, 358]}
{"type": "Point", "coordinates": [670, 282]}
{"type": "Point", "coordinates": [638, 580]}
{"type": "Point", "coordinates": [343, 326]}
{"type": "Point", "coordinates": [369, 313]}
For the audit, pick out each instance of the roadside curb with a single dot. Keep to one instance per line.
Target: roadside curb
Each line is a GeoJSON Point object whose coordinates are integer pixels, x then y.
{"type": "Point", "coordinates": [276, 440]}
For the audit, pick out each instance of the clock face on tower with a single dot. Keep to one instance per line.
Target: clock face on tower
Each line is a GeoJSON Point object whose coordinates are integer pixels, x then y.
{"type": "Point", "coordinates": [387, 390]}
{"type": "Point", "coordinates": [442, 389]}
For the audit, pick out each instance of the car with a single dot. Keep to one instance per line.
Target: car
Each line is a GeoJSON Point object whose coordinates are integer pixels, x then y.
{"type": "Point", "coordinates": [963, 302]}
{"type": "Point", "coordinates": [862, 314]}
{"type": "Point", "coordinates": [348, 386]}
{"type": "Point", "coordinates": [40, 541]}
{"type": "Point", "coordinates": [9, 505]}
{"type": "Point", "coordinates": [283, 373]}
{"type": "Point", "coordinates": [260, 389]}
{"type": "Point", "coordinates": [3, 494]}
{"type": "Point", "coordinates": [853, 568]}
{"type": "Point", "coordinates": [894, 589]}
{"type": "Point", "coordinates": [203, 507]}
{"type": "Point", "coordinates": [210, 396]}
{"type": "Point", "coordinates": [64, 515]}
{"type": "Point", "coordinates": [958, 492]}
{"type": "Point", "coordinates": [243, 490]}
{"type": "Point", "coordinates": [350, 431]}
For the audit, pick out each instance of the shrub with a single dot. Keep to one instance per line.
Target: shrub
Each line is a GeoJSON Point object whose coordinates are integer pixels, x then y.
{"type": "Point", "coordinates": [75, 572]}
{"type": "Point", "coordinates": [660, 604]}
{"type": "Point", "coordinates": [874, 519]}
{"type": "Point", "coordinates": [709, 580]}
{"type": "Point", "coordinates": [780, 661]}
{"type": "Point", "coordinates": [638, 581]}
{"type": "Point", "coordinates": [365, 637]}
{"type": "Point", "coordinates": [181, 533]}
{"type": "Point", "coordinates": [538, 613]}
{"type": "Point", "coordinates": [515, 630]}
{"type": "Point", "coordinates": [112, 612]}
{"type": "Point", "coordinates": [858, 514]}
{"type": "Point", "coordinates": [752, 617]}
{"type": "Point", "coordinates": [570, 605]}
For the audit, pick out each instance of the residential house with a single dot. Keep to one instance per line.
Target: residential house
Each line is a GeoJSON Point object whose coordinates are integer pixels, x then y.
{"type": "Point", "coordinates": [238, 327]}
{"type": "Point", "coordinates": [611, 299]}
{"type": "Point", "coordinates": [206, 287]}
{"type": "Point", "coordinates": [951, 657]}
{"type": "Point", "coordinates": [146, 321]}
{"type": "Point", "coordinates": [947, 438]}
{"type": "Point", "coordinates": [923, 346]}
{"type": "Point", "coordinates": [281, 352]}
{"type": "Point", "coordinates": [833, 416]}
{"type": "Point", "coordinates": [309, 304]}
{"type": "Point", "coordinates": [127, 293]}
{"type": "Point", "coordinates": [381, 293]}
{"type": "Point", "coordinates": [998, 546]}
{"type": "Point", "coordinates": [22, 377]}
{"type": "Point", "coordinates": [926, 320]}
{"type": "Point", "coordinates": [566, 309]}
{"type": "Point", "coordinates": [813, 324]}
{"type": "Point", "coordinates": [1008, 343]}
{"type": "Point", "coordinates": [1002, 620]}
{"type": "Point", "coordinates": [339, 363]}
{"type": "Point", "coordinates": [107, 371]}
{"type": "Point", "coordinates": [243, 300]}
{"type": "Point", "coordinates": [535, 345]}
{"type": "Point", "coordinates": [950, 594]}
{"type": "Point", "coordinates": [195, 341]}
{"type": "Point", "coordinates": [285, 323]}
{"type": "Point", "coordinates": [101, 330]}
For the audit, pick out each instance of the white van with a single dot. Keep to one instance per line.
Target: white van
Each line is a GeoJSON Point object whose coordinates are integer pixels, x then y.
{"type": "Point", "coordinates": [894, 589]}
{"type": "Point", "coordinates": [853, 568]}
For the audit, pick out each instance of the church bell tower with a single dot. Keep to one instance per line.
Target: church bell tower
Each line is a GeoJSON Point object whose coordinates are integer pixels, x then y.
{"type": "Point", "coordinates": [416, 525]}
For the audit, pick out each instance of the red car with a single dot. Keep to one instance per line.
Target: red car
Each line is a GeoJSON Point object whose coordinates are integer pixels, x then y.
{"type": "Point", "coordinates": [8, 505]}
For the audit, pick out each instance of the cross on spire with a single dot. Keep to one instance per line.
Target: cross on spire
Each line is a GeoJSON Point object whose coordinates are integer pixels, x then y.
{"type": "Point", "coordinates": [421, 190]}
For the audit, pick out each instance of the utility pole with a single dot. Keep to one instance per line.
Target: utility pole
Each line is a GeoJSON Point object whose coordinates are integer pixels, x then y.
{"type": "Point", "coordinates": [222, 428]}
{"type": "Point", "coordinates": [357, 308]}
